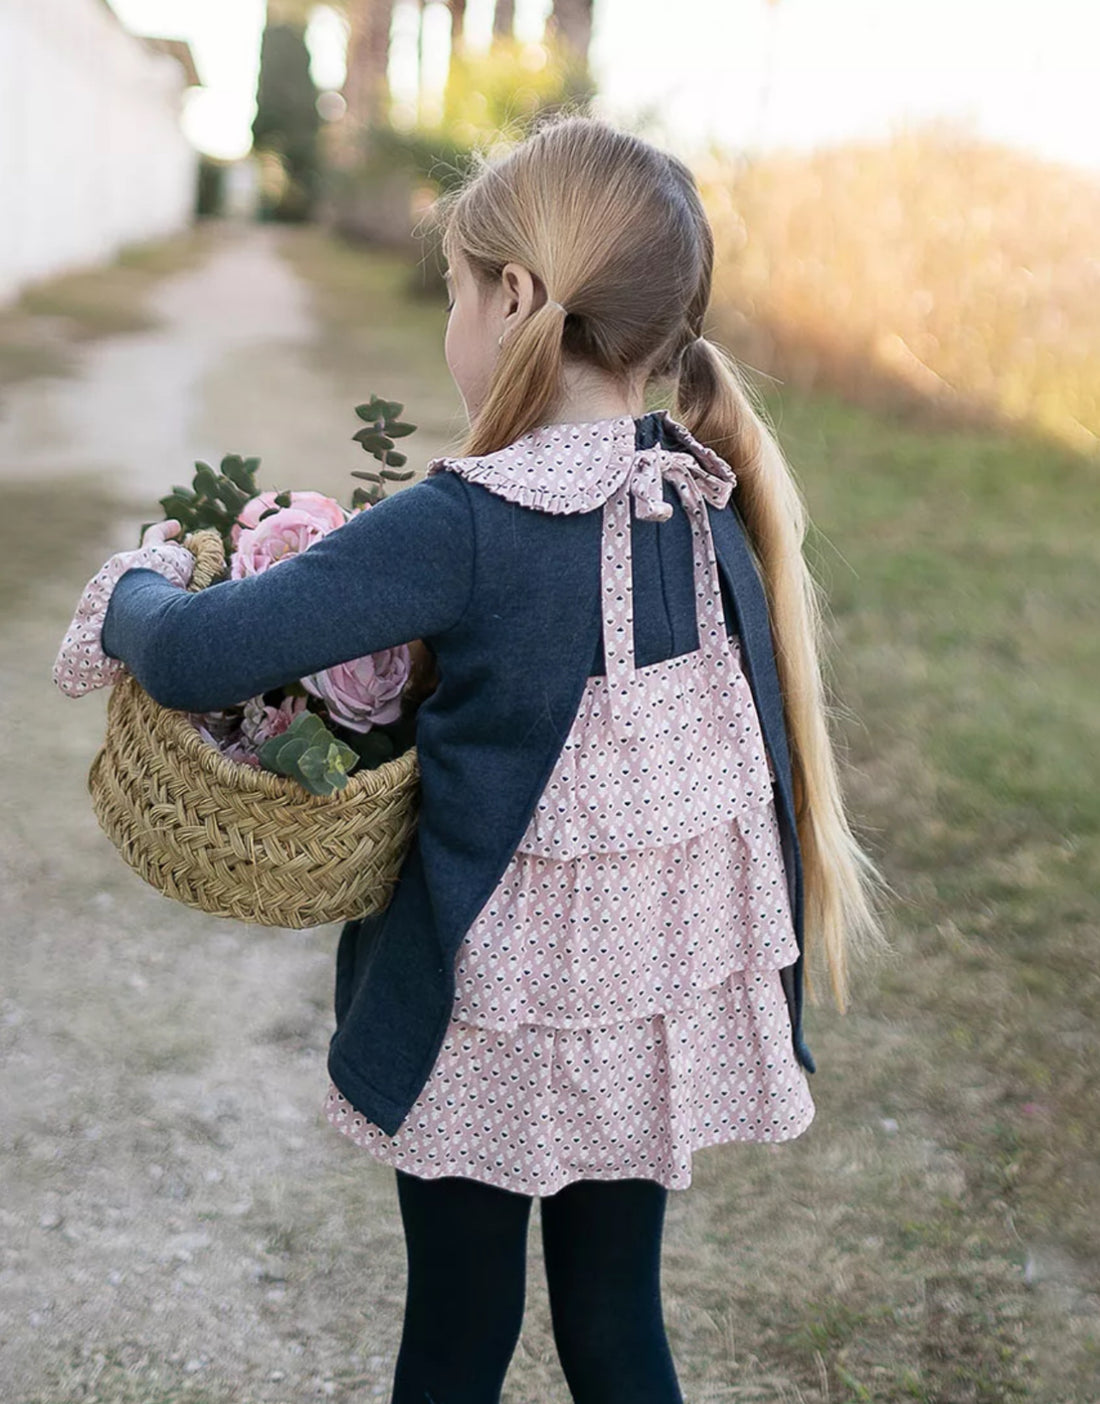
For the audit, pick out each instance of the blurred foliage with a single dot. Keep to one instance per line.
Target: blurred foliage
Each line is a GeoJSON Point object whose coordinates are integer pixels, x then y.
{"type": "Point", "coordinates": [286, 124]}
{"type": "Point", "coordinates": [495, 96]}
{"type": "Point", "coordinates": [491, 101]}
{"type": "Point", "coordinates": [933, 269]}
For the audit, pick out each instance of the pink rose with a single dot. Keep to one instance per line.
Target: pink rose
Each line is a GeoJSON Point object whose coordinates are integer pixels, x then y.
{"type": "Point", "coordinates": [327, 511]}
{"type": "Point", "coordinates": [365, 692]}
{"type": "Point", "coordinates": [239, 752]}
{"type": "Point", "coordinates": [286, 533]}
{"type": "Point", "coordinates": [223, 733]}
{"type": "Point", "coordinates": [261, 722]}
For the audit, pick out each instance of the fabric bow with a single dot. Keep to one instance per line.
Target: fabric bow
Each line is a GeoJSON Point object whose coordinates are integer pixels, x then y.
{"type": "Point", "coordinates": [646, 474]}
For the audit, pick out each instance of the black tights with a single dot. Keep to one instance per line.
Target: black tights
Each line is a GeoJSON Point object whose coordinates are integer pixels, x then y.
{"type": "Point", "coordinates": [467, 1255]}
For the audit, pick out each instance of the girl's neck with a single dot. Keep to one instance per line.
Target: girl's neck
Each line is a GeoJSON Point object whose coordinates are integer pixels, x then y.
{"type": "Point", "coordinates": [589, 395]}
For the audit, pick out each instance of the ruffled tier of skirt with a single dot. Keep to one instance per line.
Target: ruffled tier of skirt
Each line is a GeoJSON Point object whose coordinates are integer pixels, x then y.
{"type": "Point", "coordinates": [535, 1107]}
{"type": "Point", "coordinates": [604, 938]}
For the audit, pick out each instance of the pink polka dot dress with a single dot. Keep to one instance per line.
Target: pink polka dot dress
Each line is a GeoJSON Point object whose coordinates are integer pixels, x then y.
{"type": "Point", "coordinates": [617, 1000]}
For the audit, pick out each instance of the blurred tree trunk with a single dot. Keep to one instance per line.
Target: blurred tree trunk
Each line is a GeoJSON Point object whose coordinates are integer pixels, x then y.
{"type": "Point", "coordinates": [569, 26]}
{"type": "Point", "coordinates": [458, 25]}
{"type": "Point", "coordinates": [286, 123]}
{"type": "Point", "coordinates": [366, 89]}
{"type": "Point", "coordinates": [504, 19]}
{"type": "Point", "coordinates": [571, 23]}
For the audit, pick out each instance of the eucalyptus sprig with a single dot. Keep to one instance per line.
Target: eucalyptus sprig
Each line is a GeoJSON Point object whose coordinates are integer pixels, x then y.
{"type": "Point", "coordinates": [308, 752]}
{"type": "Point", "coordinates": [383, 426]}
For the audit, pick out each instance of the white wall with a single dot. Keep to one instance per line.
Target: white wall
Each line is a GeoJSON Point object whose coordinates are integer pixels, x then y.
{"type": "Point", "coordinates": [91, 152]}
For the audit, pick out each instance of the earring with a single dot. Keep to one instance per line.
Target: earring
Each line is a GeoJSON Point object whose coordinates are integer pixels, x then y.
{"type": "Point", "coordinates": [500, 339]}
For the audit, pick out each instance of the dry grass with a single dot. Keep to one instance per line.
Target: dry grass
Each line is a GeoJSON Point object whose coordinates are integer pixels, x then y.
{"type": "Point", "coordinates": [932, 271]}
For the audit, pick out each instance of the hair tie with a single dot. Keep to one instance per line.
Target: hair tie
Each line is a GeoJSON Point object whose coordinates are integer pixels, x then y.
{"type": "Point", "coordinates": [550, 302]}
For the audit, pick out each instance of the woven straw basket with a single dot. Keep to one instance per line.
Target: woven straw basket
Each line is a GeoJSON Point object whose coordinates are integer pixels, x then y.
{"type": "Point", "coordinates": [239, 842]}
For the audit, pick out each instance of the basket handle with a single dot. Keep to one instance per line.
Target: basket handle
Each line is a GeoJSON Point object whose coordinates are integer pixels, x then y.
{"type": "Point", "coordinates": [209, 552]}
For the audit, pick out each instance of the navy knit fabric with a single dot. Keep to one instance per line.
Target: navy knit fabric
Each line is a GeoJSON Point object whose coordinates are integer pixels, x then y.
{"type": "Point", "coordinates": [508, 600]}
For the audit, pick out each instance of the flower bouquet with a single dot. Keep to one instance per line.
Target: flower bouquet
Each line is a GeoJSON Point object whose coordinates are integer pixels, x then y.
{"type": "Point", "coordinates": [293, 808]}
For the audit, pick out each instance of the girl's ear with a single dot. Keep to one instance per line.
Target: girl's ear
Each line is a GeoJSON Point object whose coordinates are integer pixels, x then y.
{"type": "Point", "coordinates": [520, 293]}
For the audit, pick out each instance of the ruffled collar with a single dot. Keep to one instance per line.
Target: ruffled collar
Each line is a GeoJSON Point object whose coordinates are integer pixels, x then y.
{"type": "Point", "coordinates": [566, 468]}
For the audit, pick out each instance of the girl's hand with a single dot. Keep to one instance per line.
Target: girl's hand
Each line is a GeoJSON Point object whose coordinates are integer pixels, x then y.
{"type": "Point", "coordinates": [160, 532]}
{"type": "Point", "coordinates": [81, 665]}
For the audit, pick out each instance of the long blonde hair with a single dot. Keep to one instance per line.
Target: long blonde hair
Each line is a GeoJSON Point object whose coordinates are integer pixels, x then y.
{"type": "Point", "coordinates": [614, 229]}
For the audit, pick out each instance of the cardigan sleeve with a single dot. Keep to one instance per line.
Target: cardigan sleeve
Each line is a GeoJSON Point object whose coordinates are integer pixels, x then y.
{"type": "Point", "coordinates": [398, 571]}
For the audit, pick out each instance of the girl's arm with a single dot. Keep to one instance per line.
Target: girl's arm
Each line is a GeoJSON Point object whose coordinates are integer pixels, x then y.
{"type": "Point", "coordinates": [397, 571]}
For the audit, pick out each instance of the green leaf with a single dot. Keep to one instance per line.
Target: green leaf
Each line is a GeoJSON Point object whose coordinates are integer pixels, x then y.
{"type": "Point", "coordinates": [391, 409]}
{"type": "Point", "coordinates": [302, 729]}
{"type": "Point", "coordinates": [395, 459]}
{"type": "Point", "coordinates": [366, 473]}
{"type": "Point", "coordinates": [398, 430]}
{"type": "Point", "coordinates": [315, 787]}
{"type": "Point", "coordinates": [175, 505]}
{"type": "Point", "coordinates": [286, 755]}
{"type": "Point", "coordinates": [239, 474]}
{"type": "Point", "coordinates": [206, 483]}
{"type": "Point", "coordinates": [231, 495]}
{"type": "Point", "coordinates": [309, 753]}
{"type": "Point", "coordinates": [373, 441]}
{"type": "Point", "coordinates": [307, 723]}
{"type": "Point", "coordinates": [372, 411]}
{"type": "Point", "coordinates": [321, 762]}
{"type": "Point", "coordinates": [282, 499]}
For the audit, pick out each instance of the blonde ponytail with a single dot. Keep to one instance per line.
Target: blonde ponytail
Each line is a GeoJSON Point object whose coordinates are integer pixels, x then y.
{"type": "Point", "coordinates": [840, 881]}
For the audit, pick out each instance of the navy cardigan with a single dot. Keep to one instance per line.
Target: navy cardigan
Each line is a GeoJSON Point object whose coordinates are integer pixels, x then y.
{"type": "Point", "coordinates": [508, 600]}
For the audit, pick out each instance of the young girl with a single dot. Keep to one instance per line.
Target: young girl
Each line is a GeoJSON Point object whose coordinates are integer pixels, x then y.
{"type": "Point", "coordinates": [631, 827]}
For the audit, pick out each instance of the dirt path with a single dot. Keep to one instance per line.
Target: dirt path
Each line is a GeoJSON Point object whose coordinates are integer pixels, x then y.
{"type": "Point", "coordinates": [225, 371]}
{"type": "Point", "coordinates": [164, 1162]}
{"type": "Point", "coordinates": [177, 1219]}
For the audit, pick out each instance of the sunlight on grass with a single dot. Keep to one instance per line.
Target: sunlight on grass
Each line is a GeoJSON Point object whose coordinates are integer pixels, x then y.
{"type": "Point", "coordinates": [931, 268]}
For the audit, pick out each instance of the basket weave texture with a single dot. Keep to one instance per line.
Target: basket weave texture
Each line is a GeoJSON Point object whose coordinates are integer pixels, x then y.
{"type": "Point", "coordinates": [235, 841]}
